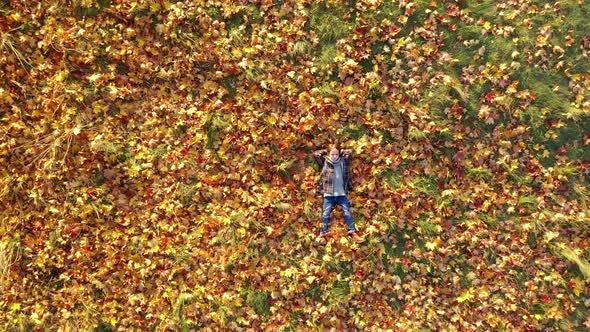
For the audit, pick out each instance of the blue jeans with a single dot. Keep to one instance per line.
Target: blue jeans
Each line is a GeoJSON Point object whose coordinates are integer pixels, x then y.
{"type": "Point", "coordinates": [329, 203]}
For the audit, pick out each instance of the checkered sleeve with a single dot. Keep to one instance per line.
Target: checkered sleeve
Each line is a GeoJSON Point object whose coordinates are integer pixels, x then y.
{"type": "Point", "coordinates": [320, 157]}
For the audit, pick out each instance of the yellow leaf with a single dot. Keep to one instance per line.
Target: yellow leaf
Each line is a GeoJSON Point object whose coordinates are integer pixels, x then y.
{"type": "Point", "coordinates": [154, 7]}
{"type": "Point", "coordinates": [271, 119]}
{"type": "Point", "coordinates": [578, 286]}
{"type": "Point", "coordinates": [15, 306]}
{"type": "Point", "coordinates": [94, 77]}
{"type": "Point", "coordinates": [431, 245]}
{"type": "Point", "coordinates": [466, 295]}
{"type": "Point", "coordinates": [550, 235]}
{"type": "Point", "coordinates": [60, 76]}
{"type": "Point", "coordinates": [483, 293]}
{"type": "Point", "coordinates": [512, 87]}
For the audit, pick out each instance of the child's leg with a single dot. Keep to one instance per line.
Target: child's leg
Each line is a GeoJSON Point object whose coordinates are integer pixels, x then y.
{"type": "Point", "coordinates": [343, 201]}
{"type": "Point", "coordinates": [326, 213]}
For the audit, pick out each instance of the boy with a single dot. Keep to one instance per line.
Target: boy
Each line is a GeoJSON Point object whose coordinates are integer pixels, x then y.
{"type": "Point", "coordinates": [335, 183]}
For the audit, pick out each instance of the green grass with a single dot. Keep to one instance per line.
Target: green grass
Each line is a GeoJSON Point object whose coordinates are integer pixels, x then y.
{"type": "Point", "coordinates": [479, 173]}
{"type": "Point", "coordinates": [105, 146]}
{"type": "Point", "coordinates": [250, 11]}
{"type": "Point", "coordinates": [301, 48]}
{"type": "Point", "coordinates": [354, 131]}
{"type": "Point", "coordinates": [294, 318]}
{"type": "Point", "coordinates": [183, 300]}
{"type": "Point", "coordinates": [328, 21]}
{"type": "Point", "coordinates": [498, 49]}
{"type": "Point", "coordinates": [426, 185]}
{"type": "Point", "coordinates": [214, 123]}
{"type": "Point", "coordinates": [237, 37]}
{"type": "Point", "coordinates": [8, 44]}
{"type": "Point", "coordinates": [328, 89]}
{"type": "Point", "coordinates": [437, 99]}
{"type": "Point", "coordinates": [489, 220]}
{"type": "Point", "coordinates": [392, 178]}
{"type": "Point", "coordinates": [427, 227]}
{"type": "Point", "coordinates": [230, 84]}
{"type": "Point", "coordinates": [326, 59]}
{"type": "Point", "coordinates": [417, 134]}
{"type": "Point", "coordinates": [484, 8]}
{"type": "Point", "coordinates": [285, 167]}
{"type": "Point", "coordinates": [572, 256]}
{"type": "Point", "coordinates": [257, 300]}
{"type": "Point", "coordinates": [528, 201]}
{"type": "Point", "coordinates": [339, 292]}
{"type": "Point", "coordinates": [159, 151]}
{"type": "Point", "coordinates": [10, 253]}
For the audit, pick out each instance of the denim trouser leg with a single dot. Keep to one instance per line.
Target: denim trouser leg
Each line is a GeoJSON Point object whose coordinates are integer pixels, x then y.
{"type": "Point", "coordinates": [329, 203]}
{"type": "Point", "coordinates": [326, 213]}
{"type": "Point", "coordinates": [343, 201]}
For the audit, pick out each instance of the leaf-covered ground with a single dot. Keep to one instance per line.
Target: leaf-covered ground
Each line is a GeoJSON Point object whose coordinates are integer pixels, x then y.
{"type": "Point", "coordinates": [156, 170]}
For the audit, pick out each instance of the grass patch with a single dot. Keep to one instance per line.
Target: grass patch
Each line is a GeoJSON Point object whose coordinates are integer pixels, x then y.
{"type": "Point", "coordinates": [314, 292]}
{"type": "Point", "coordinates": [573, 257]}
{"type": "Point", "coordinates": [427, 227]}
{"type": "Point", "coordinates": [528, 201]}
{"type": "Point", "coordinates": [301, 48]}
{"type": "Point", "coordinates": [183, 300]}
{"type": "Point", "coordinates": [394, 251]}
{"type": "Point", "coordinates": [326, 58]}
{"type": "Point", "coordinates": [186, 193]}
{"type": "Point", "coordinates": [214, 123]}
{"type": "Point", "coordinates": [257, 300]}
{"type": "Point", "coordinates": [328, 21]}
{"type": "Point", "coordinates": [416, 134]}
{"type": "Point", "coordinates": [251, 12]}
{"type": "Point", "coordinates": [498, 49]}
{"type": "Point", "coordinates": [354, 131]}
{"type": "Point", "coordinates": [7, 44]}
{"type": "Point", "coordinates": [489, 220]}
{"type": "Point", "coordinates": [310, 211]}
{"type": "Point", "coordinates": [519, 177]}
{"type": "Point", "coordinates": [229, 83]}
{"type": "Point", "coordinates": [426, 185]}
{"type": "Point", "coordinates": [339, 291]}
{"type": "Point", "coordinates": [236, 36]}
{"type": "Point", "coordinates": [484, 8]}
{"type": "Point", "coordinates": [479, 173]}
{"type": "Point", "coordinates": [285, 167]}
{"type": "Point", "coordinates": [328, 89]}
{"type": "Point", "coordinates": [392, 178]}
{"type": "Point", "coordinates": [294, 319]}
{"type": "Point", "coordinates": [10, 253]}
{"type": "Point", "coordinates": [181, 255]}
{"type": "Point", "coordinates": [159, 151]}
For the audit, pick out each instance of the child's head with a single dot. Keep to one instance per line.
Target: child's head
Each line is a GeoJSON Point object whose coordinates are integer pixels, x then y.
{"type": "Point", "coordinates": [333, 151]}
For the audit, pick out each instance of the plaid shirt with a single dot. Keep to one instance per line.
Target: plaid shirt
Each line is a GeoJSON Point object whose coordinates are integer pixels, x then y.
{"type": "Point", "coordinates": [326, 182]}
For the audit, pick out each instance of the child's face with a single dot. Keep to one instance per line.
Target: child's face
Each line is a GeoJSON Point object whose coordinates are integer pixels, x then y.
{"type": "Point", "coordinates": [334, 154]}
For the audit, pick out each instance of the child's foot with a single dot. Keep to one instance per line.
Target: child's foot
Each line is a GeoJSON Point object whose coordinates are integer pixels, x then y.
{"type": "Point", "coordinates": [356, 237]}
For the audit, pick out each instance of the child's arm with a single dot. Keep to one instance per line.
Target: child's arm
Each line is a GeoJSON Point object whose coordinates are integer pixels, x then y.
{"type": "Point", "coordinates": [320, 156]}
{"type": "Point", "coordinates": [347, 154]}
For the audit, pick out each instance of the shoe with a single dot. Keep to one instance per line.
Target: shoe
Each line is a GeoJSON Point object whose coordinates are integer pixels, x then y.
{"type": "Point", "coordinates": [356, 237]}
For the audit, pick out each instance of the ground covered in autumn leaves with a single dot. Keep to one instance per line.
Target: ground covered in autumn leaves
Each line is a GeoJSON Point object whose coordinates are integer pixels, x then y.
{"type": "Point", "coordinates": [156, 169]}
